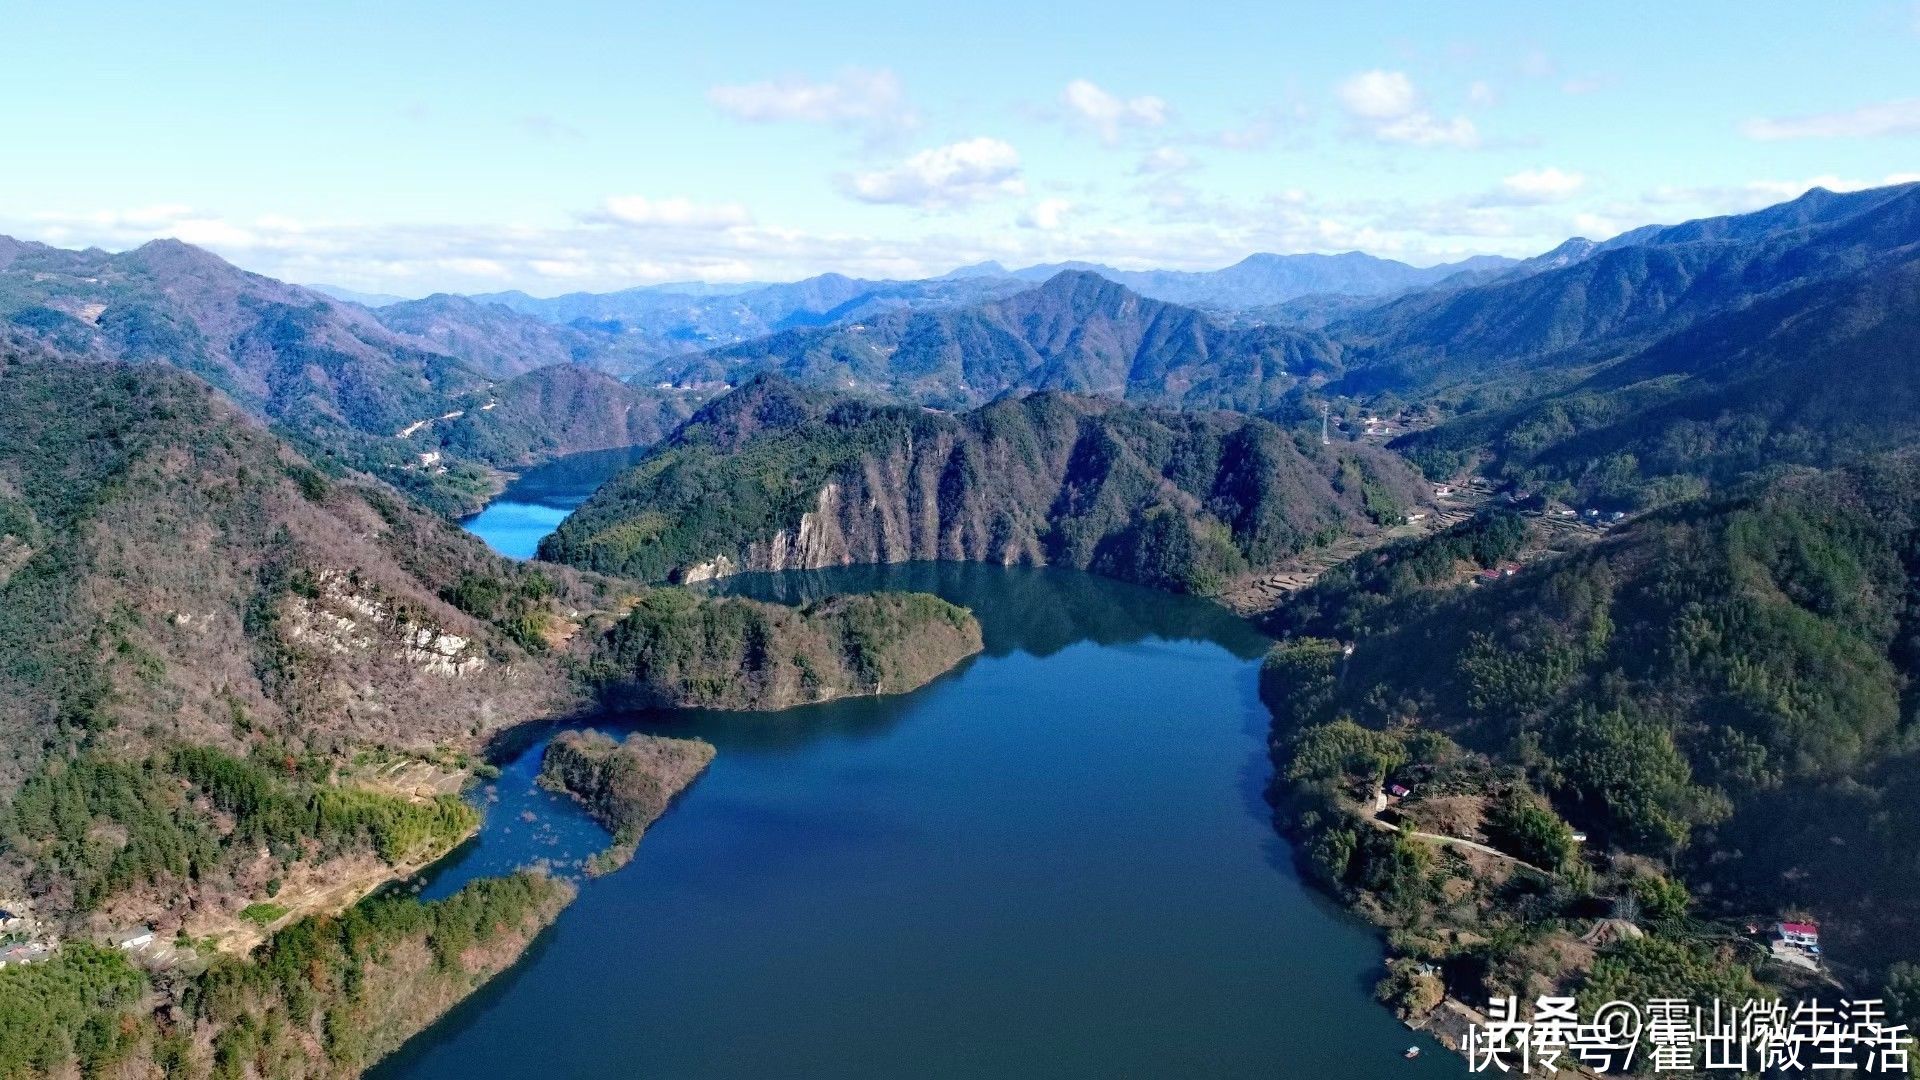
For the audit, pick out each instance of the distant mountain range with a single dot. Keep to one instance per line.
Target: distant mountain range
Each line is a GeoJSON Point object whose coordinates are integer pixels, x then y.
{"type": "Point", "coordinates": [686, 318]}
{"type": "Point", "coordinates": [329, 374]}
{"type": "Point", "coordinates": [1077, 331]}
{"type": "Point", "coordinates": [1585, 302]}
{"type": "Point", "coordinates": [354, 296]}
{"type": "Point", "coordinates": [692, 316]}
{"type": "Point", "coordinates": [506, 342]}
{"type": "Point", "coordinates": [1264, 280]}
{"type": "Point", "coordinates": [1524, 356]}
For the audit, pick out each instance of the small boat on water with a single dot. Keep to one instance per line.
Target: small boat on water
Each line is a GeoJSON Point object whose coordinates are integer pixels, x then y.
{"type": "Point", "coordinates": [1412, 1052]}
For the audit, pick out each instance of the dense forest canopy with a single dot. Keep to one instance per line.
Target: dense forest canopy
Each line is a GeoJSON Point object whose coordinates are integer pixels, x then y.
{"type": "Point", "coordinates": [777, 477]}
{"type": "Point", "coordinates": [1726, 687]}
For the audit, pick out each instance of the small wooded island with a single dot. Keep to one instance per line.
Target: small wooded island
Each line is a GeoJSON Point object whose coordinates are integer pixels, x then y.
{"type": "Point", "coordinates": [626, 786]}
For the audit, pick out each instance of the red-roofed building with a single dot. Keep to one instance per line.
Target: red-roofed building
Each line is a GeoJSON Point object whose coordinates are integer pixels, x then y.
{"type": "Point", "coordinates": [1804, 935]}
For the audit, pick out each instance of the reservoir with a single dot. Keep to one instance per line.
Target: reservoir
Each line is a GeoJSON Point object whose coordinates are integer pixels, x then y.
{"type": "Point", "coordinates": [1055, 861]}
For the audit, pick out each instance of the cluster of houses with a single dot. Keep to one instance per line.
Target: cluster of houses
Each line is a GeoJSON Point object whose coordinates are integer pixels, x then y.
{"type": "Point", "coordinates": [16, 940]}
{"type": "Point", "coordinates": [24, 940]}
{"type": "Point", "coordinates": [1504, 570]}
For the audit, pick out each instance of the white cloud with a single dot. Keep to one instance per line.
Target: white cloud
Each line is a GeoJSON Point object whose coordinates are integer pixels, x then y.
{"type": "Point", "coordinates": [1047, 215]}
{"type": "Point", "coordinates": [560, 268]}
{"type": "Point", "coordinates": [855, 98]}
{"type": "Point", "coordinates": [595, 250]}
{"type": "Point", "coordinates": [1535, 186]}
{"type": "Point", "coordinates": [1387, 106]}
{"type": "Point", "coordinates": [1424, 129]}
{"type": "Point", "coordinates": [944, 177]}
{"type": "Point", "coordinates": [1597, 226]}
{"type": "Point", "coordinates": [1752, 195]}
{"type": "Point", "coordinates": [1379, 95]}
{"type": "Point", "coordinates": [1674, 203]}
{"type": "Point", "coordinates": [1866, 122]}
{"type": "Point", "coordinates": [1108, 114]}
{"type": "Point", "coordinates": [1780, 190]}
{"type": "Point", "coordinates": [472, 267]}
{"type": "Point", "coordinates": [1482, 94]}
{"type": "Point", "coordinates": [1163, 160]}
{"type": "Point", "coordinates": [643, 212]}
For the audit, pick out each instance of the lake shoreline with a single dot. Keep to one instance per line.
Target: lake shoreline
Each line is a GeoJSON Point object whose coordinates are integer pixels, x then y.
{"type": "Point", "coordinates": [1040, 624]}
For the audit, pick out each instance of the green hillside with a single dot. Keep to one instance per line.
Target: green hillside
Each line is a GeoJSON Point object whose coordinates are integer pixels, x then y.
{"type": "Point", "coordinates": [1725, 689]}
{"type": "Point", "coordinates": [775, 477]}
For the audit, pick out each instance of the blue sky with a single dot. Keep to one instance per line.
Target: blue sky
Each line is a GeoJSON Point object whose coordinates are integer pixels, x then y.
{"type": "Point", "coordinates": [417, 147]}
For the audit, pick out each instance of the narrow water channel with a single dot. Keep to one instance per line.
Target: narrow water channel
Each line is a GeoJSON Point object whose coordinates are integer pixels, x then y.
{"type": "Point", "coordinates": [1053, 862]}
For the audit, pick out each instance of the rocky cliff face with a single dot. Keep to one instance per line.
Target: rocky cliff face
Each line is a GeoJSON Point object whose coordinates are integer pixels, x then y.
{"type": "Point", "coordinates": [774, 478]}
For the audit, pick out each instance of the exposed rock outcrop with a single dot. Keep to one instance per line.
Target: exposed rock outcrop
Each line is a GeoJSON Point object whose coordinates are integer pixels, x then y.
{"type": "Point", "coordinates": [776, 478]}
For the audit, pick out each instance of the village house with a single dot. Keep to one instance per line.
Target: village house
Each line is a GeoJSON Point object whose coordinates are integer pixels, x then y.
{"type": "Point", "coordinates": [1800, 935]}
{"type": "Point", "coordinates": [29, 953]}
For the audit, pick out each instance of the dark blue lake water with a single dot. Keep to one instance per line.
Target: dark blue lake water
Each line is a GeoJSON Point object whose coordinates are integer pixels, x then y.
{"type": "Point", "coordinates": [1053, 862]}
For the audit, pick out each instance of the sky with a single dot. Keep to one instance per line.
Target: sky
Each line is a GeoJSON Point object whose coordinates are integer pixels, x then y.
{"type": "Point", "coordinates": [409, 148]}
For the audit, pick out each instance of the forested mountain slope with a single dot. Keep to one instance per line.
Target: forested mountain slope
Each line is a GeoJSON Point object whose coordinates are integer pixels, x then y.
{"type": "Point", "coordinates": [1726, 686]}
{"type": "Point", "coordinates": [237, 692]}
{"type": "Point", "coordinates": [557, 410]}
{"type": "Point", "coordinates": [671, 319]}
{"type": "Point", "coordinates": [185, 599]}
{"type": "Point", "coordinates": [503, 342]}
{"type": "Point", "coordinates": [1077, 332]}
{"type": "Point", "coordinates": [1613, 298]}
{"type": "Point", "coordinates": [776, 477]}
{"type": "Point", "coordinates": [327, 374]}
{"type": "Point", "coordinates": [172, 563]}
{"type": "Point", "coordinates": [1815, 376]}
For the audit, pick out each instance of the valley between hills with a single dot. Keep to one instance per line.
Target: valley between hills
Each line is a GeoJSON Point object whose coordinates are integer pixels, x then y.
{"type": "Point", "coordinates": [1591, 581]}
